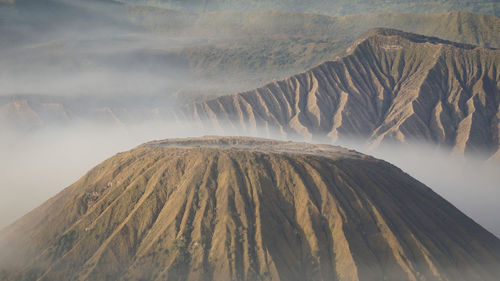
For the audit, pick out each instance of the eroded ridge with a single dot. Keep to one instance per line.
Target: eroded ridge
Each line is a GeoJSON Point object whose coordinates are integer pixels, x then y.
{"type": "Point", "coordinates": [213, 208]}
{"type": "Point", "coordinates": [390, 86]}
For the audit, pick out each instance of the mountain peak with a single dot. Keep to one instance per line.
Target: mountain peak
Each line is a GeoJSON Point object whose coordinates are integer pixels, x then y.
{"type": "Point", "coordinates": [236, 208]}
{"type": "Point", "coordinates": [390, 86]}
{"type": "Point", "coordinates": [241, 143]}
{"type": "Point", "coordinates": [382, 34]}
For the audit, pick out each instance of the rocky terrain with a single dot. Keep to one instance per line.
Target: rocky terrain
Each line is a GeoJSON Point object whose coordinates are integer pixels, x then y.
{"type": "Point", "coordinates": [72, 55]}
{"type": "Point", "coordinates": [389, 86]}
{"type": "Point", "coordinates": [235, 208]}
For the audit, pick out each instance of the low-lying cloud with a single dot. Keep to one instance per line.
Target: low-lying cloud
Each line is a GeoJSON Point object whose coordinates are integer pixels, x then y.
{"type": "Point", "coordinates": [34, 167]}
{"type": "Point", "coordinates": [114, 59]}
{"type": "Point", "coordinates": [472, 185]}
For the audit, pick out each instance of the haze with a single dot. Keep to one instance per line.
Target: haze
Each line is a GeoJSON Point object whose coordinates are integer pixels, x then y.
{"type": "Point", "coordinates": [87, 67]}
{"type": "Point", "coordinates": [38, 166]}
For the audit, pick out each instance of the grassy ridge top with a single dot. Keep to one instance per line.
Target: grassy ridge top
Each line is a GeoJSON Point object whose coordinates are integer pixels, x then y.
{"type": "Point", "coordinates": [259, 144]}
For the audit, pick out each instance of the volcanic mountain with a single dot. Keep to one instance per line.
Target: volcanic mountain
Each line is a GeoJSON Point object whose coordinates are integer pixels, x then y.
{"type": "Point", "coordinates": [230, 52]}
{"type": "Point", "coordinates": [389, 86]}
{"type": "Point", "coordinates": [235, 208]}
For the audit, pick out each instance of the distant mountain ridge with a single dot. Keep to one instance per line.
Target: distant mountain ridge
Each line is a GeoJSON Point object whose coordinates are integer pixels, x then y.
{"type": "Point", "coordinates": [333, 7]}
{"type": "Point", "coordinates": [231, 51]}
{"type": "Point", "coordinates": [279, 44]}
{"type": "Point", "coordinates": [274, 45]}
{"type": "Point", "coordinates": [389, 86]}
{"type": "Point", "coordinates": [236, 208]}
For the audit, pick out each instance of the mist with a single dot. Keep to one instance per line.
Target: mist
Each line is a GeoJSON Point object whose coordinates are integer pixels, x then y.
{"type": "Point", "coordinates": [37, 166]}
{"type": "Point", "coordinates": [67, 48]}
{"type": "Point", "coordinates": [472, 185]}
{"type": "Point", "coordinates": [81, 81]}
{"type": "Point", "coordinates": [109, 60]}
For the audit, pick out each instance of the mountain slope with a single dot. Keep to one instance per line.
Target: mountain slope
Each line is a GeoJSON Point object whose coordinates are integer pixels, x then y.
{"type": "Point", "coordinates": [332, 7]}
{"type": "Point", "coordinates": [389, 86]}
{"type": "Point", "coordinates": [258, 45]}
{"type": "Point", "coordinates": [238, 208]}
{"type": "Point", "coordinates": [261, 45]}
{"type": "Point", "coordinates": [247, 51]}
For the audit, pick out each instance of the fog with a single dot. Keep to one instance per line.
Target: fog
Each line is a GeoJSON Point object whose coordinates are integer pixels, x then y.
{"type": "Point", "coordinates": [85, 68]}
{"type": "Point", "coordinates": [99, 48]}
{"type": "Point", "coordinates": [471, 184]}
{"type": "Point", "coordinates": [36, 166]}
{"type": "Point", "coordinates": [110, 61]}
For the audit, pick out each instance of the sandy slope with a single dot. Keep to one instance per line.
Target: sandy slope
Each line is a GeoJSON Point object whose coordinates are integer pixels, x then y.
{"type": "Point", "coordinates": [246, 209]}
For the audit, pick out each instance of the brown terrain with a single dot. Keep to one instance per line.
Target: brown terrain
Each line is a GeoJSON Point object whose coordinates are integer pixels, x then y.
{"type": "Point", "coordinates": [237, 52]}
{"type": "Point", "coordinates": [236, 208]}
{"type": "Point", "coordinates": [28, 115]}
{"type": "Point", "coordinates": [389, 86]}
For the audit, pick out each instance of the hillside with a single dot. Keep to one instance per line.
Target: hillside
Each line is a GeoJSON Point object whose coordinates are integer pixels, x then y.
{"type": "Point", "coordinates": [251, 47]}
{"type": "Point", "coordinates": [28, 114]}
{"type": "Point", "coordinates": [389, 86]}
{"type": "Point", "coordinates": [217, 52]}
{"type": "Point", "coordinates": [177, 57]}
{"type": "Point", "coordinates": [331, 7]}
{"type": "Point", "coordinates": [233, 208]}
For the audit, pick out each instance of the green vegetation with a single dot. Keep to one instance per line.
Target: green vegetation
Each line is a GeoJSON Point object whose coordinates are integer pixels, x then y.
{"type": "Point", "coordinates": [248, 49]}
{"type": "Point", "coordinates": [331, 7]}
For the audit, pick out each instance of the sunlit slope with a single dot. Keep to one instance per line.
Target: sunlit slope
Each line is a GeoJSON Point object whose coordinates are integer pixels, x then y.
{"type": "Point", "coordinates": [193, 55]}
{"type": "Point", "coordinates": [389, 86]}
{"type": "Point", "coordinates": [247, 209]}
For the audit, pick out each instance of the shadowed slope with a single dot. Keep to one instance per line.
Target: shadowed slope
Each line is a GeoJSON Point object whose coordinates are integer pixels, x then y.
{"type": "Point", "coordinates": [246, 209]}
{"type": "Point", "coordinates": [389, 86]}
